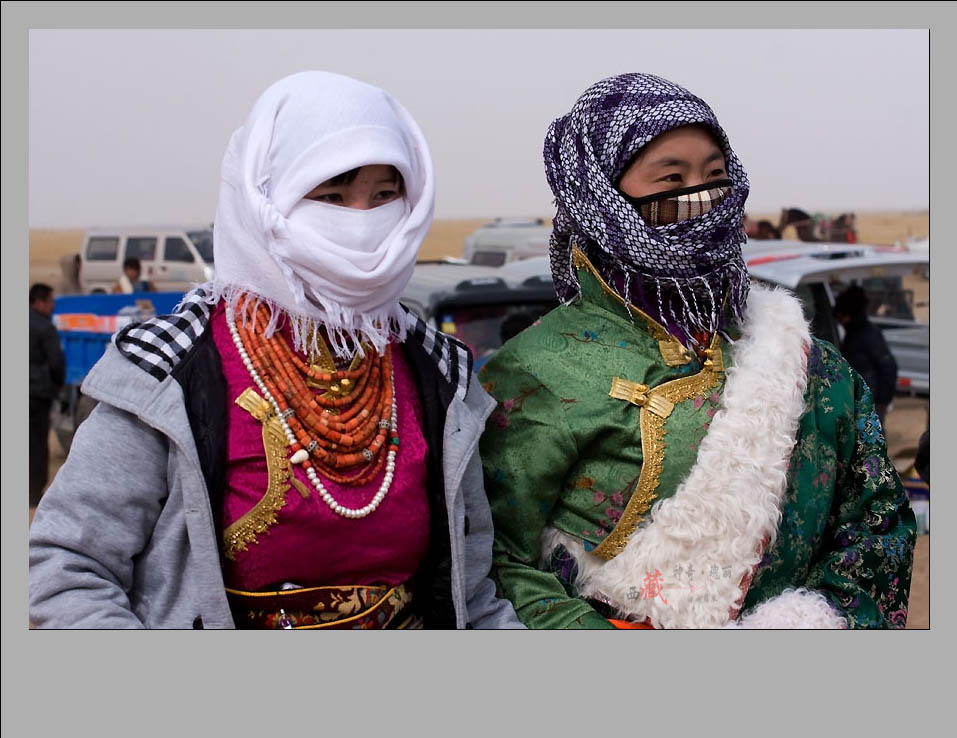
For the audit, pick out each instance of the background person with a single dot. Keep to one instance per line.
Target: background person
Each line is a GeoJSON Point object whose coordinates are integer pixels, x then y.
{"type": "Point", "coordinates": [766, 231]}
{"type": "Point", "coordinates": [922, 460]}
{"type": "Point", "coordinates": [865, 348]}
{"type": "Point", "coordinates": [70, 265]}
{"type": "Point", "coordinates": [130, 281]}
{"type": "Point", "coordinates": [47, 373]}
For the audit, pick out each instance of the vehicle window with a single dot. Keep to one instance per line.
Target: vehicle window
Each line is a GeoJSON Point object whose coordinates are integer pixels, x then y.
{"type": "Point", "coordinates": [484, 328]}
{"type": "Point", "coordinates": [886, 296]}
{"type": "Point", "coordinates": [102, 248]}
{"type": "Point", "coordinates": [177, 250]}
{"type": "Point", "coordinates": [142, 248]}
{"type": "Point", "coordinates": [203, 241]}
{"type": "Point", "coordinates": [489, 258]}
{"type": "Point", "coordinates": [818, 311]}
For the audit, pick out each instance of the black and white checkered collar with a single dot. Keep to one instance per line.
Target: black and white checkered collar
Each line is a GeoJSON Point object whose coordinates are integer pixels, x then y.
{"type": "Point", "coordinates": [159, 344]}
{"type": "Point", "coordinates": [452, 357]}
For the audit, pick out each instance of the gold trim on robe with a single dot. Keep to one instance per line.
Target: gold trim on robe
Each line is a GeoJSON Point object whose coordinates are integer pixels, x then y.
{"type": "Point", "coordinates": [655, 405]}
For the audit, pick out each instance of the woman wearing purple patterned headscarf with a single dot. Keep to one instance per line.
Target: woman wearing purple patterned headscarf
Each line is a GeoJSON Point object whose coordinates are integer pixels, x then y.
{"type": "Point", "coordinates": [678, 271]}
{"type": "Point", "coordinates": [671, 447]}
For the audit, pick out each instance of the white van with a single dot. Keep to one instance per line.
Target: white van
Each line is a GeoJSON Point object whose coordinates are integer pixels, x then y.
{"type": "Point", "coordinates": [173, 258]}
{"type": "Point", "coordinates": [507, 240]}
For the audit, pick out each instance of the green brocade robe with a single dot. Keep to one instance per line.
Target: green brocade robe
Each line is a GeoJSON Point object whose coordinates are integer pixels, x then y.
{"type": "Point", "coordinates": [581, 469]}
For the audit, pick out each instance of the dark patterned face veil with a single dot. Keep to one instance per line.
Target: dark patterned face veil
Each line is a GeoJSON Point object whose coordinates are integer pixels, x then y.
{"type": "Point", "coordinates": [674, 206]}
{"type": "Point", "coordinates": [681, 270]}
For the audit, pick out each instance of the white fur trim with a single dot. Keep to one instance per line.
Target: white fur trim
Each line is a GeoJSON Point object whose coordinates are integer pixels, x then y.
{"type": "Point", "coordinates": [730, 501]}
{"type": "Point", "coordinates": [793, 608]}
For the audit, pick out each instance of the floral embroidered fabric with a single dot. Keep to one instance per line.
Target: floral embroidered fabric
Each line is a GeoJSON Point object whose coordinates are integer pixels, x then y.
{"type": "Point", "coordinates": [559, 452]}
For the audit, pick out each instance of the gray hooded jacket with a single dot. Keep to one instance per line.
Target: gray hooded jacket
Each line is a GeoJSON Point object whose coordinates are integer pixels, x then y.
{"type": "Point", "coordinates": [125, 536]}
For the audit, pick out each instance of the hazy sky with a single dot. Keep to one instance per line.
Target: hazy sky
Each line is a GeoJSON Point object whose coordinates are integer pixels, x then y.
{"type": "Point", "coordinates": [130, 126]}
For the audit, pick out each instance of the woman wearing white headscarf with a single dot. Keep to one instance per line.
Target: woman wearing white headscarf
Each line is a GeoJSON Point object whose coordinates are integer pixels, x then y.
{"type": "Point", "coordinates": [291, 448]}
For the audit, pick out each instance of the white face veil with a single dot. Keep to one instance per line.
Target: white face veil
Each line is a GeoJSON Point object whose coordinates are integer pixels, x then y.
{"type": "Point", "coordinates": [315, 263]}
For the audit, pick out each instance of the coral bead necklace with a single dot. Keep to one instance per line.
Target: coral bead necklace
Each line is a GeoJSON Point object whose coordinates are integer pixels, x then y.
{"type": "Point", "coordinates": [348, 425]}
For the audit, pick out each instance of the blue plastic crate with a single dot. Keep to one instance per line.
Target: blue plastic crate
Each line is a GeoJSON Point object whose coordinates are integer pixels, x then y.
{"type": "Point", "coordinates": [163, 302]}
{"type": "Point", "coordinates": [82, 349]}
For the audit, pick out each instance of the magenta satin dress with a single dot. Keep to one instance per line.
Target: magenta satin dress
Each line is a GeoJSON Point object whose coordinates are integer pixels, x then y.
{"type": "Point", "coordinates": [309, 545]}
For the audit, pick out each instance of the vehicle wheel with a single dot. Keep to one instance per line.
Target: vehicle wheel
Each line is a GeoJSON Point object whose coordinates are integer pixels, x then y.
{"type": "Point", "coordinates": [98, 291]}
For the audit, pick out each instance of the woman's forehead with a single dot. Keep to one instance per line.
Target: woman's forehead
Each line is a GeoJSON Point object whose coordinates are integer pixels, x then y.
{"type": "Point", "coordinates": [693, 134]}
{"type": "Point", "coordinates": [368, 173]}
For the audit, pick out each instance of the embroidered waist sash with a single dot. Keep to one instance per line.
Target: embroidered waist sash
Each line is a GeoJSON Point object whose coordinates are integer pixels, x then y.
{"type": "Point", "coordinates": [336, 607]}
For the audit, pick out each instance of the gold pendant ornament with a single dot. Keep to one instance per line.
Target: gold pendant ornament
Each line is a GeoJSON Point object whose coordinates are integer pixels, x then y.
{"type": "Point", "coordinates": [323, 361]}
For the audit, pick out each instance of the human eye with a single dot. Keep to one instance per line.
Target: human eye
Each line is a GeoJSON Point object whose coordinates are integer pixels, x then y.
{"type": "Point", "coordinates": [334, 198]}
{"type": "Point", "coordinates": [383, 197]}
{"type": "Point", "coordinates": [717, 172]}
{"type": "Point", "coordinates": [675, 177]}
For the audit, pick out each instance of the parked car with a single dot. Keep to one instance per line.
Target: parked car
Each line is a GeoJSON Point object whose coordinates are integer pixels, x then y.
{"type": "Point", "coordinates": [173, 258]}
{"type": "Point", "coordinates": [479, 305]}
{"type": "Point", "coordinates": [507, 240]}
{"type": "Point", "coordinates": [818, 272]}
{"type": "Point", "coordinates": [909, 343]}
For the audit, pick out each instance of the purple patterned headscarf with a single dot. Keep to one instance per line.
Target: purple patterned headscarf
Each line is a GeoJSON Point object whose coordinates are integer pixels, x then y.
{"type": "Point", "coordinates": [679, 273]}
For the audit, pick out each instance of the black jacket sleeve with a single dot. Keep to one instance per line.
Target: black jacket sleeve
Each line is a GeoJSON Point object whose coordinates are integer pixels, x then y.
{"type": "Point", "coordinates": [55, 358]}
{"type": "Point", "coordinates": [885, 365]}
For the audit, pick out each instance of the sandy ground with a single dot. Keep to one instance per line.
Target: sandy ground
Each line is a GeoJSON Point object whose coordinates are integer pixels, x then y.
{"type": "Point", "coordinates": [445, 238]}
{"type": "Point", "coordinates": [877, 228]}
{"type": "Point", "coordinates": [906, 420]}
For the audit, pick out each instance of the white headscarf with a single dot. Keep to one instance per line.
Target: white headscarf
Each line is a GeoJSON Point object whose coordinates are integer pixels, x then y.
{"type": "Point", "coordinates": [321, 264]}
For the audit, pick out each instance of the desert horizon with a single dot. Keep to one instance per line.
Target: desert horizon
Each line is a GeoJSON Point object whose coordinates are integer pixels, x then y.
{"type": "Point", "coordinates": [446, 237]}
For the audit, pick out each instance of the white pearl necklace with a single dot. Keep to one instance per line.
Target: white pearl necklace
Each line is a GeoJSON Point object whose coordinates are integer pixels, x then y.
{"type": "Point", "coordinates": [302, 455]}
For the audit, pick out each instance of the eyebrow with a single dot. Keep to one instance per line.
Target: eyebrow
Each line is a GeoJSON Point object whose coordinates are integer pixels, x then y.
{"type": "Point", "coordinates": [673, 162]}
{"type": "Point", "coordinates": [384, 180]}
